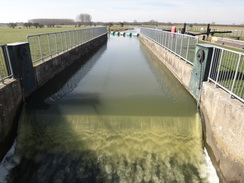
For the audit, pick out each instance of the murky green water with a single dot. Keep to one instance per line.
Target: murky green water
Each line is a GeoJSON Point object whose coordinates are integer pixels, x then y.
{"type": "Point", "coordinates": [121, 117]}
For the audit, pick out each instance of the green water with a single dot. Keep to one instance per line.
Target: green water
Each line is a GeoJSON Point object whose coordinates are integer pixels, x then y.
{"type": "Point", "coordinates": [119, 117]}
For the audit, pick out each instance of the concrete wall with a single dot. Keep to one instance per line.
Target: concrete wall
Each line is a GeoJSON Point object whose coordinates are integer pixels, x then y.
{"type": "Point", "coordinates": [177, 66]}
{"type": "Point", "coordinates": [11, 93]}
{"type": "Point", "coordinates": [10, 104]}
{"type": "Point", "coordinates": [224, 131]}
{"type": "Point", "coordinates": [47, 70]}
{"type": "Point", "coordinates": [223, 118]}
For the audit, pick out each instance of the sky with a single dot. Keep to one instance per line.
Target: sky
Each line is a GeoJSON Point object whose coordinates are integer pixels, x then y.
{"type": "Point", "coordinates": [175, 11]}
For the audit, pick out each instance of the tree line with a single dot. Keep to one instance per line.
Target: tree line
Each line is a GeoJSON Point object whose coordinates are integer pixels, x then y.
{"type": "Point", "coordinates": [86, 20]}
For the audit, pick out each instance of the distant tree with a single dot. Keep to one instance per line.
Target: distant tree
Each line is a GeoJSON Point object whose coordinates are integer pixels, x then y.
{"type": "Point", "coordinates": [52, 21]}
{"type": "Point", "coordinates": [84, 19]}
{"type": "Point", "coordinates": [152, 22]}
{"type": "Point", "coordinates": [27, 25]}
{"type": "Point", "coordinates": [36, 25]}
{"type": "Point", "coordinates": [110, 24]}
{"type": "Point", "coordinates": [50, 25]}
{"type": "Point", "coordinates": [121, 24]}
{"type": "Point", "coordinates": [12, 25]}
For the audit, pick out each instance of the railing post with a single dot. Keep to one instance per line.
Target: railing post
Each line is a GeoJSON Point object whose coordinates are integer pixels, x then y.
{"type": "Point", "coordinates": [200, 70]}
{"type": "Point", "coordinates": [219, 68]}
{"type": "Point", "coordinates": [49, 47]}
{"type": "Point", "coordinates": [187, 50]}
{"type": "Point", "coordinates": [237, 67]}
{"type": "Point", "coordinates": [62, 42]}
{"type": "Point", "coordinates": [20, 58]}
{"type": "Point", "coordinates": [181, 46]}
{"type": "Point", "coordinates": [56, 43]}
{"type": "Point", "coordinates": [40, 47]}
{"type": "Point", "coordinates": [211, 64]}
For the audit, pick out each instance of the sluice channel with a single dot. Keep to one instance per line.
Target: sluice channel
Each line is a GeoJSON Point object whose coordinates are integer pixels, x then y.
{"type": "Point", "coordinates": [119, 117]}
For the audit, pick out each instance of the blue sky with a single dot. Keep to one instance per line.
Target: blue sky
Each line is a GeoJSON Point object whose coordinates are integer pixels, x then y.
{"type": "Point", "coordinates": [189, 11]}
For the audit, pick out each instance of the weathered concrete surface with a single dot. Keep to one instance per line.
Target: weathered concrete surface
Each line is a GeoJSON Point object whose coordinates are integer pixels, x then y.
{"type": "Point", "coordinates": [10, 104]}
{"type": "Point", "coordinates": [223, 118]}
{"type": "Point", "coordinates": [47, 70]}
{"type": "Point", "coordinates": [11, 92]}
{"type": "Point", "coordinates": [224, 127]}
{"type": "Point", "coordinates": [177, 66]}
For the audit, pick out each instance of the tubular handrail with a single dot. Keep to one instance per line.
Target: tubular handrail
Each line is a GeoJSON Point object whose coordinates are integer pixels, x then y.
{"type": "Point", "coordinates": [47, 45]}
{"type": "Point", "coordinates": [5, 65]}
{"type": "Point", "coordinates": [227, 71]}
{"type": "Point", "coordinates": [181, 45]}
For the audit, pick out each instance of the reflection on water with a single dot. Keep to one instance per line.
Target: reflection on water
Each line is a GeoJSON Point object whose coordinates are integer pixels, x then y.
{"type": "Point", "coordinates": [126, 120]}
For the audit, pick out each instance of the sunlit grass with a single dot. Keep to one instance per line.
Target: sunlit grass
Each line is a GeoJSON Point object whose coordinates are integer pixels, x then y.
{"type": "Point", "coordinates": [10, 35]}
{"type": "Point", "coordinates": [119, 28]}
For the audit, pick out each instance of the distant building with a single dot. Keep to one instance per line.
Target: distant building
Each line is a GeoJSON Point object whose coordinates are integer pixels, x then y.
{"type": "Point", "coordinates": [52, 21]}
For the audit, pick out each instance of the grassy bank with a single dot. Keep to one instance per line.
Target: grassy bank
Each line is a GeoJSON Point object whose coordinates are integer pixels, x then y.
{"type": "Point", "coordinates": [10, 35]}
{"type": "Point", "coordinates": [119, 28]}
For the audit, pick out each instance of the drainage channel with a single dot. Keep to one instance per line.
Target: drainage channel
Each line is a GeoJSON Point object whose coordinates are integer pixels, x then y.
{"type": "Point", "coordinates": [120, 117]}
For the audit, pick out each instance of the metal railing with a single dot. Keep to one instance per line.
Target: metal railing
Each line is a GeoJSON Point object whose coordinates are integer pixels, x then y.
{"type": "Point", "coordinates": [5, 66]}
{"type": "Point", "coordinates": [43, 46]}
{"type": "Point", "coordinates": [227, 71]}
{"type": "Point", "coordinates": [180, 44]}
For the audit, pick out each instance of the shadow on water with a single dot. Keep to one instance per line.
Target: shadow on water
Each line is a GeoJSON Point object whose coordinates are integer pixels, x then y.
{"type": "Point", "coordinates": [64, 82]}
{"type": "Point", "coordinates": [75, 140]}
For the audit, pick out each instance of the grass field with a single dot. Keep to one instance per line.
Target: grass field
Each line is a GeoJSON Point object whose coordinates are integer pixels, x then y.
{"type": "Point", "coordinates": [119, 28]}
{"type": "Point", "coordinates": [10, 35]}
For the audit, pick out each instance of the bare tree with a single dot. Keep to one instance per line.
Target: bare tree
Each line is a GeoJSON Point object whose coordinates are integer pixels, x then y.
{"type": "Point", "coordinates": [84, 19]}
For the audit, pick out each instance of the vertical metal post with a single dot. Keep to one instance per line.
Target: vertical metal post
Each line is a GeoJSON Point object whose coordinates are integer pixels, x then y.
{"type": "Point", "coordinates": [211, 64]}
{"type": "Point", "coordinates": [66, 40]}
{"type": "Point", "coordinates": [8, 58]}
{"type": "Point", "coordinates": [39, 42]}
{"type": "Point", "coordinates": [187, 50]}
{"type": "Point", "coordinates": [73, 35]}
{"type": "Point", "coordinates": [70, 39]}
{"type": "Point", "coordinates": [181, 46]}
{"type": "Point", "coordinates": [49, 47]}
{"type": "Point", "coordinates": [56, 43]}
{"type": "Point", "coordinates": [219, 67]}
{"type": "Point", "coordinates": [169, 41]}
{"type": "Point", "coordinates": [176, 41]}
{"type": "Point", "coordinates": [237, 67]}
{"type": "Point", "coordinates": [228, 75]}
{"type": "Point", "coordinates": [62, 42]}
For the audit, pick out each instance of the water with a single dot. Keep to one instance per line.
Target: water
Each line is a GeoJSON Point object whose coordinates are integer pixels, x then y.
{"type": "Point", "coordinates": [119, 117]}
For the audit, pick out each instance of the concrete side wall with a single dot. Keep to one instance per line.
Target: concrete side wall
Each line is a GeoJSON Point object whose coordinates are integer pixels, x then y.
{"type": "Point", "coordinates": [47, 70]}
{"type": "Point", "coordinates": [11, 92]}
{"type": "Point", "coordinates": [224, 131]}
{"type": "Point", "coordinates": [10, 104]}
{"type": "Point", "coordinates": [223, 118]}
{"type": "Point", "coordinates": [177, 66]}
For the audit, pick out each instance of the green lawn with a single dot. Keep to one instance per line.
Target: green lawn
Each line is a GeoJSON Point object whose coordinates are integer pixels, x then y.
{"type": "Point", "coordinates": [19, 34]}
{"type": "Point", "coordinates": [10, 35]}
{"type": "Point", "coordinates": [119, 28]}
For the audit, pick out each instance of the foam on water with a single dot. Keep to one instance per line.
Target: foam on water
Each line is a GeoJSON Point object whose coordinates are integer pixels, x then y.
{"type": "Point", "coordinates": [115, 149]}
